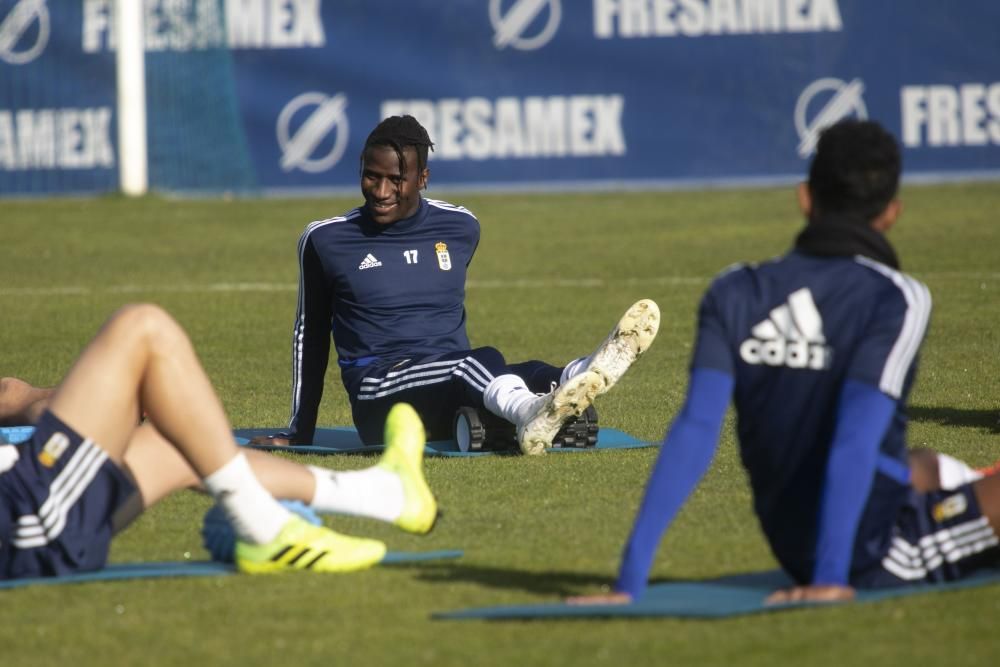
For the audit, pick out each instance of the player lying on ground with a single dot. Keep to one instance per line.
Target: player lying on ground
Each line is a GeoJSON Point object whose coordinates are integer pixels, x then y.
{"type": "Point", "coordinates": [389, 279]}
{"type": "Point", "coordinates": [89, 469]}
{"type": "Point", "coordinates": [818, 351]}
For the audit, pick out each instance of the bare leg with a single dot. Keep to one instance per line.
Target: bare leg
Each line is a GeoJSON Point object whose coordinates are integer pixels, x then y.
{"type": "Point", "coordinates": [987, 492]}
{"type": "Point", "coordinates": [142, 358]}
{"type": "Point", "coordinates": [20, 402]}
{"type": "Point", "coordinates": [158, 469]}
{"type": "Point", "coordinates": [924, 474]}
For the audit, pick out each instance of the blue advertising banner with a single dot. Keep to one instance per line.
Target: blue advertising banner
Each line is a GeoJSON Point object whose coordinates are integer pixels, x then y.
{"type": "Point", "coordinates": [278, 95]}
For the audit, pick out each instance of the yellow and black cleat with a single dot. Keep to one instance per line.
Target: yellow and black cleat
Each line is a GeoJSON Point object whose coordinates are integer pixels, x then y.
{"type": "Point", "coordinates": [404, 457]}
{"type": "Point", "coordinates": [303, 546]}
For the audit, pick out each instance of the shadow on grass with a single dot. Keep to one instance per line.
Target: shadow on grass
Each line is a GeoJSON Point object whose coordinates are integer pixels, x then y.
{"type": "Point", "coordinates": [984, 419]}
{"type": "Point", "coordinates": [542, 583]}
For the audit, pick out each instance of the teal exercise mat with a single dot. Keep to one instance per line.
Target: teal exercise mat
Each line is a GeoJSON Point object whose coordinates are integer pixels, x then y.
{"type": "Point", "coordinates": [119, 571]}
{"type": "Point", "coordinates": [205, 568]}
{"type": "Point", "coordinates": [734, 595]}
{"type": "Point", "coordinates": [345, 440]}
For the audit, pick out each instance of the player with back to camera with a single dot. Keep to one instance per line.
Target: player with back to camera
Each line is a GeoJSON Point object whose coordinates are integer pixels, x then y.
{"type": "Point", "coordinates": [388, 279]}
{"type": "Point", "coordinates": [89, 468]}
{"type": "Point", "coordinates": [818, 351]}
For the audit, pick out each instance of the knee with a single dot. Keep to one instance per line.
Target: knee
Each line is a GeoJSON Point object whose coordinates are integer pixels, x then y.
{"type": "Point", "coordinates": [144, 322]}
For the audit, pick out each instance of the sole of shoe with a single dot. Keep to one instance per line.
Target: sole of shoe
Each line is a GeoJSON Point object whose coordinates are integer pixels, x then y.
{"type": "Point", "coordinates": [631, 337]}
{"type": "Point", "coordinates": [568, 400]}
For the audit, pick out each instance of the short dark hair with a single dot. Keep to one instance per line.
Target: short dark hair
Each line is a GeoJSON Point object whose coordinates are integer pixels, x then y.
{"type": "Point", "coordinates": [855, 172]}
{"type": "Point", "coordinates": [398, 132]}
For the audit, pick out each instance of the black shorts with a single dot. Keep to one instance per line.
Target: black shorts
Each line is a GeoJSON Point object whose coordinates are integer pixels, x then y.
{"type": "Point", "coordinates": [57, 502]}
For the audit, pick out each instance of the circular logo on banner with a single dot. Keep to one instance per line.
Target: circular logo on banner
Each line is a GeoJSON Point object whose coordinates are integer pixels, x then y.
{"type": "Point", "coordinates": [27, 21]}
{"type": "Point", "coordinates": [309, 146]}
{"type": "Point", "coordinates": [517, 24]}
{"type": "Point", "coordinates": [823, 103]}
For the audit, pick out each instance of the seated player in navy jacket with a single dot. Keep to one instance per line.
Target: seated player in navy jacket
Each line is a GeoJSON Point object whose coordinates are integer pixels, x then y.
{"type": "Point", "coordinates": [388, 280]}
{"type": "Point", "coordinates": [818, 351]}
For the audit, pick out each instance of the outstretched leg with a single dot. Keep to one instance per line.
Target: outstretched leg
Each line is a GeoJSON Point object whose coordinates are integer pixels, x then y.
{"type": "Point", "coordinates": [538, 419]}
{"type": "Point", "coordinates": [394, 490]}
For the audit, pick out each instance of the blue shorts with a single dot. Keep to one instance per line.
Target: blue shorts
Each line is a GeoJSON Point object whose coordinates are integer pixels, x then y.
{"type": "Point", "coordinates": [57, 502]}
{"type": "Point", "coordinates": [938, 536]}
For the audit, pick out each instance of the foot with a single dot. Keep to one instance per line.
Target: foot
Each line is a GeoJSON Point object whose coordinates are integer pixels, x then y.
{"type": "Point", "coordinates": [553, 409]}
{"type": "Point", "coordinates": [631, 337]}
{"type": "Point", "coordinates": [301, 546]}
{"type": "Point", "coordinates": [404, 457]}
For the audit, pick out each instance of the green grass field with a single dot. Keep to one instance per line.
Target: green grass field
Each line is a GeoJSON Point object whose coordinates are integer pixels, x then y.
{"type": "Point", "coordinates": [551, 276]}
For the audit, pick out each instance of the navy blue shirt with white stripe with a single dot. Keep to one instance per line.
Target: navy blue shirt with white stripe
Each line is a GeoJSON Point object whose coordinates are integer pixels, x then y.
{"type": "Point", "coordinates": [385, 292]}
{"type": "Point", "coordinates": [787, 337]}
{"type": "Point", "coordinates": [792, 332]}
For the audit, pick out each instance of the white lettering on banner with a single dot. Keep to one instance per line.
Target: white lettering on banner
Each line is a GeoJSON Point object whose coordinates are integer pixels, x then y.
{"type": "Point", "coordinates": [938, 115]}
{"type": "Point", "coordinates": [56, 139]}
{"type": "Point", "coordinates": [274, 23]}
{"type": "Point", "coordinates": [694, 18]}
{"type": "Point", "coordinates": [478, 128]}
{"type": "Point", "coordinates": [194, 25]}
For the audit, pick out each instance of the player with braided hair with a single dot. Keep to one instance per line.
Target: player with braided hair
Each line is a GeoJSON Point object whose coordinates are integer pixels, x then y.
{"type": "Point", "coordinates": [388, 279]}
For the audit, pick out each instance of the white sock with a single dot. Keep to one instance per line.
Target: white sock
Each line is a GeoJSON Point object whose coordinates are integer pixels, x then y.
{"type": "Point", "coordinates": [573, 369]}
{"type": "Point", "coordinates": [507, 396]}
{"type": "Point", "coordinates": [256, 516]}
{"type": "Point", "coordinates": [953, 473]}
{"type": "Point", "coordinates": [373, 492]}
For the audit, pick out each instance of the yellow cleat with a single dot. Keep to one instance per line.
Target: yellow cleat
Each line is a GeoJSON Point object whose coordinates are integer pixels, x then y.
{"type": "Point", "coordinates": [404, 457]}
{"type": "Point", "coordinates": [302, 546]}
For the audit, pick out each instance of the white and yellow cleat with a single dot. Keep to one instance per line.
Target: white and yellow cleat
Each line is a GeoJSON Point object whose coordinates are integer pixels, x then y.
{"type": "Point", "coordinates": [303, 546]}
{"type": "Point", "coordinates": [404, 457]}
{"type": "Point", "coordinates": [567, 400]}
{"type": "Point", "coordinates": [632, 336]}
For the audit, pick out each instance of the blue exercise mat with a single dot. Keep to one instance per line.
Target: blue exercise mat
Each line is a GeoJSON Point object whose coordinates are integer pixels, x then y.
{"type": "Point", "coordinates": [734, 595]}
{"type": "Point", "coordinates": [202, 568]}
{"type": "Point", "coordinates": [345, 440]}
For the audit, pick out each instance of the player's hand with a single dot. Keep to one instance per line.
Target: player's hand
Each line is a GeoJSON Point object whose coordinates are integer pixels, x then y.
{"type": "Point", "coordinates": [277, 439]}
{"type": "Point", "coordinates": [824, 593]}
{"type": "Point", "coordinates": [604, 598]}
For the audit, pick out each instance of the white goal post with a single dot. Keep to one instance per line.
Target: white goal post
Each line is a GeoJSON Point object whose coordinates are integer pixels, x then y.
{"type": "Point", "coordinates": [133, 167]}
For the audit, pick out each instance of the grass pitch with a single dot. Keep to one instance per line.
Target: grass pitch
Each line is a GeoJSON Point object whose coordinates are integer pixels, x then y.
{"type": "Point", "coordinates": [551, 275]}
